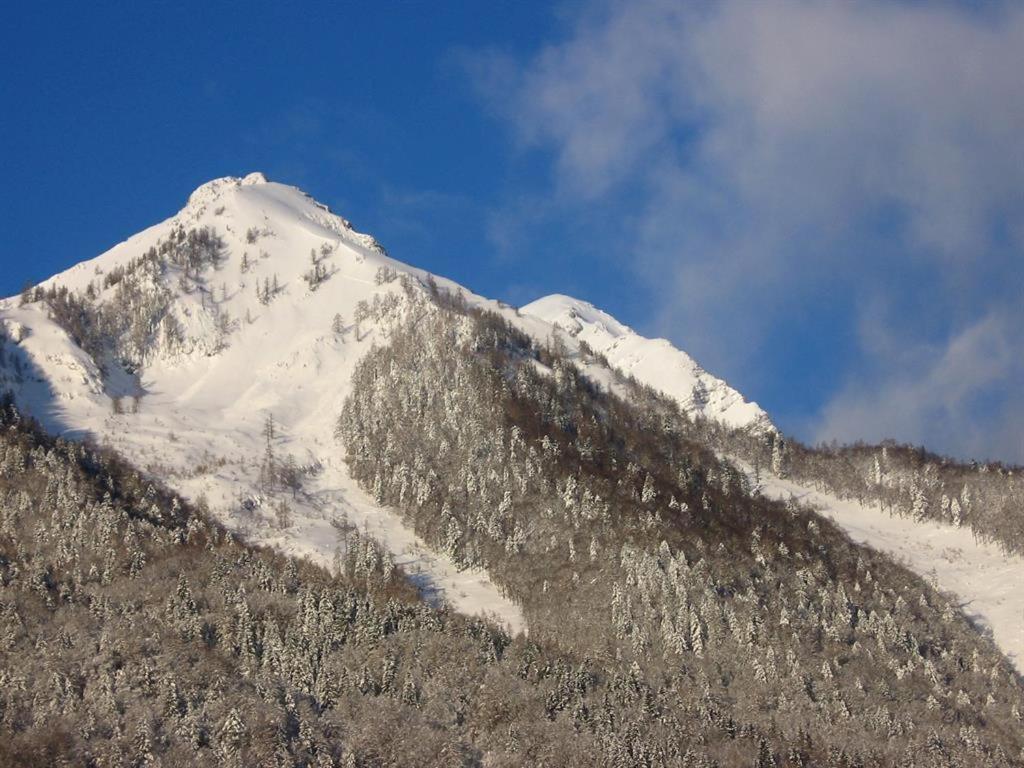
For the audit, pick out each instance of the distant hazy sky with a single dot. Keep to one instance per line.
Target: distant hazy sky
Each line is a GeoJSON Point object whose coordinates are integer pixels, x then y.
{"type": "Point", "coordinates": [822, 201]}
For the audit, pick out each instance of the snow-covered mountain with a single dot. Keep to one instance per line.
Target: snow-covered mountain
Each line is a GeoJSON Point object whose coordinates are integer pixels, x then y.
{"type": "Point", "coordinates": [176, 346]}
{"type": "Point", "coordinates": [268, 362]}
{"type": "Point", "coordinates": [255, 302]}
{"type": "Point", "coordinates": [655, 362]}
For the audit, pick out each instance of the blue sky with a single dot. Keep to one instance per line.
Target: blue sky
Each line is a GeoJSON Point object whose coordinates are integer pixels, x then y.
{"type": "Point", "coordinates": [822, 201]}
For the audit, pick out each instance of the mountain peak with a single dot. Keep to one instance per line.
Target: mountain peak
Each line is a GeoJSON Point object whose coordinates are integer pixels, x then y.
{"type": "Point", "coordinates": [253, 178]}
{"type": "Point", "coordinates": [214, 188]}
{"type": "Point", "coordinates": [573, 314]}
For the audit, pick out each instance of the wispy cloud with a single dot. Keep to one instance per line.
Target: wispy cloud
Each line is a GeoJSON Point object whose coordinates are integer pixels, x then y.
{"type": "Point", "coordinates": [790, 163]}
{"type": "Point", "coordinates": [953, 394]}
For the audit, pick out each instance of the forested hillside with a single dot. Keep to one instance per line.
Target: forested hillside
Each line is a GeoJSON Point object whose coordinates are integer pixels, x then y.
{"type": "Point", "coordinates": [904, 480]}
{"type": "Point", "coordinates": [761, 634]}
{"type": "Point", "coordinates": [908, 481]}
{"type": "Point", "coordinates": [137, 633]}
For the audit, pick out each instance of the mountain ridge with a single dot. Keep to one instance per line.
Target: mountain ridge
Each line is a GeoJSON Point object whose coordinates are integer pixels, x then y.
{"type": "Point", "coordinates": [656, 362]}
{"type": "Point", "coordinates": [652, 361]}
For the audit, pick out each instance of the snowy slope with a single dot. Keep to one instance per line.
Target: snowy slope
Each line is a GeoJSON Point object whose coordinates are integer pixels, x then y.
{"type": "Point", "coordinates": [985, 579]}
{"type": "Point", "coordinates": [655, 362]}
{"type": "Point", "coordinates": [203, 402]}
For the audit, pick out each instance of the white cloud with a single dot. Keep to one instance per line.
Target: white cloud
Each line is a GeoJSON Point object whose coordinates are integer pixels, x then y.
{"type": "Point", "coordinates": [933, 399]}
{"type": "Point", "coordinates": [776, 154]}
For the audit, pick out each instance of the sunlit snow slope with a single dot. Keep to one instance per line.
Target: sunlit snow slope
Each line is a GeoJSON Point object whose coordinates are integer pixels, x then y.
{"type": "Point", "coordinates": [655, 362]}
